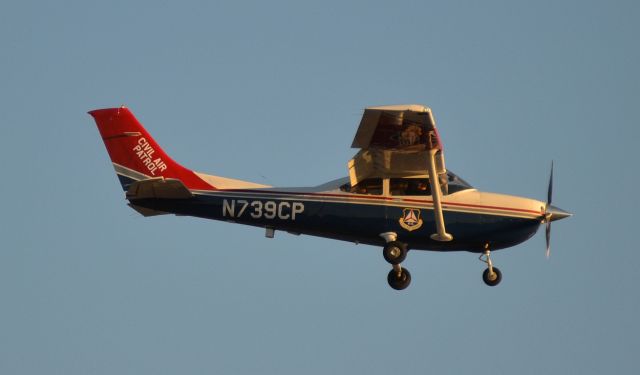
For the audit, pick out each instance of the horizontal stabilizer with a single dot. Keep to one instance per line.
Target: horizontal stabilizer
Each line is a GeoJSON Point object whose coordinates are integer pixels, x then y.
{"type": "Point", "coordinates": [146, 212]}
{"type": "Point", "coordinates": [159, 188]}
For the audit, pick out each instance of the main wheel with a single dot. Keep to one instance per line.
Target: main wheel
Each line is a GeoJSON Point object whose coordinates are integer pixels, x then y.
{"type": "Point", "coordinates": [399, 282]}
{"type": "Point", "coordinates": [492, 280]}
{"type": "Point", "coordinates": [394, 252]}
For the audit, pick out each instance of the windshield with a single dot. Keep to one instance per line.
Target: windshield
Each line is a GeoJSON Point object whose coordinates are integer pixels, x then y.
{"type": "Point", "coordinates": [456, 184]}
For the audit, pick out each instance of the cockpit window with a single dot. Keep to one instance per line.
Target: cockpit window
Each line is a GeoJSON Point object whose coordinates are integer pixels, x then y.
{"type": "Point", "coordinates": [421, 186]}
{"type": "Point", "coordinates": [409, 186]}
{"type": "Point", "coordinates": [372, 186]}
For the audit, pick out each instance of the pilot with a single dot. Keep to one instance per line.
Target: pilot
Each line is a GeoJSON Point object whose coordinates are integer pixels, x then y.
{"type": "Point", "coordinates": [422, 188]}
{"type": "Point", "coordinates": [361, 189]}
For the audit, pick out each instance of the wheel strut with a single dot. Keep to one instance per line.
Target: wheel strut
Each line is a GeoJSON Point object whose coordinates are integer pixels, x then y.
{"type": "Point", "coordinates": [398, 269]}
{"type": "Point", "coordinates": [492, 275]}
{"type": "Point", "coordinates": [486, 257]}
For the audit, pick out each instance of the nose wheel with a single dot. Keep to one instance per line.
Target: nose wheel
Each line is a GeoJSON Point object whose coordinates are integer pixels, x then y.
{"type": "Point", "coordinates": [492, 275]}
{"type": "Point", "coordinates": [492, 279]}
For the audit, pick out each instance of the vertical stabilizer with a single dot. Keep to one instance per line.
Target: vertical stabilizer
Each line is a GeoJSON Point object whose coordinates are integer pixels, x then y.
{"type": "Point", "coordinates": [135, 154]}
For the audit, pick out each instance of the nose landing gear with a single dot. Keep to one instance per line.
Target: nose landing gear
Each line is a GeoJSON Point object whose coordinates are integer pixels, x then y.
{"type": "Point", "coordinates": [492, 275]}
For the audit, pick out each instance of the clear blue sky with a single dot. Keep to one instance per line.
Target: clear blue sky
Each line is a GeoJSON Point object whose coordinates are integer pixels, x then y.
{"type": "Point", "coordinates": [272, 92]}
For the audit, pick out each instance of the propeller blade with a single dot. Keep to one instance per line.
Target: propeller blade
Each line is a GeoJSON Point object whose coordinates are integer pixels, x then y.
{"type": "Point", "coordinates": [550, 190]}
{"type": "Point", "coordinates": [548, 236]}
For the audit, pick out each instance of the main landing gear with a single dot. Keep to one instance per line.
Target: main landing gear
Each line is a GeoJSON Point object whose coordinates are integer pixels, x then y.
{"type": "Point", "coordinates": [395, 252]}
{"type": "Point", "coordinates": [399, 278]}
{"type": "Point", "coordinates": [492, 275]}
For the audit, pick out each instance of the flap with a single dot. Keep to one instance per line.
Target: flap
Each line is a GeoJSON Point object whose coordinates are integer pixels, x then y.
{"type": "Point", "coordinates": [389, 164]}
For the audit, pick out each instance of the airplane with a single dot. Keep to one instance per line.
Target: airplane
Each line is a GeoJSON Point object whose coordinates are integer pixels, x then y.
{"type": "Point", "coordinates": [398, 195]}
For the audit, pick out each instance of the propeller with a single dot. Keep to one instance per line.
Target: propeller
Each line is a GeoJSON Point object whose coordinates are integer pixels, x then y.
{"type": "Point", "coordinates": [551, 213]}
{"type": "Point", "coordinates": [547, 214]}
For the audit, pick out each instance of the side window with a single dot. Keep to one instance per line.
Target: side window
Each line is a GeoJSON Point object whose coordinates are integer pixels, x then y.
{"type": "Point", "coordinates": [398, 186]}
{"type": "Point", "coordinates": [410, 186]}
{"type": "Point", "coordinates": [372, 186]}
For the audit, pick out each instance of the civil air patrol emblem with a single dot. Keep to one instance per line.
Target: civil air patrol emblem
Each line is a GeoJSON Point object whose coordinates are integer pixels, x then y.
{"type": "Point", "coordinates": [410, 219]}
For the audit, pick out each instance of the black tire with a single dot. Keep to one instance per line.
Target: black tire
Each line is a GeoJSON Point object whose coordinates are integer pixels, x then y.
{"type": "Point", "coordinates": [494, 282]}
{"type": "Point", "coordinates": [394, 252]}
{"type": "Point", "coordinates": [399, 282]}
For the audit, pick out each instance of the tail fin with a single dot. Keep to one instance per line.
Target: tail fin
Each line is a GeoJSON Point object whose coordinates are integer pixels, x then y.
{"type": "Point", "coordinates": [135, 154]}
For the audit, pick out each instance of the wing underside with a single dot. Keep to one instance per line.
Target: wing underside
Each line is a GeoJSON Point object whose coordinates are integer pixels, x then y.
{"type": "Point", "coordinates": [395, 141]}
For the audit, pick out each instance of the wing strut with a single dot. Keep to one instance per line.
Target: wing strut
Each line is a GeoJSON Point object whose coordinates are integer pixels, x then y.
{"type": "Point", "coordinates": [442, 234]}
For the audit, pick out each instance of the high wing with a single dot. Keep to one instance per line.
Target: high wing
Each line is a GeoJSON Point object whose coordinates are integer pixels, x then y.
{"type": "Point", "coordinates": [395, 141]}
{"type": "Point", "coordinates": [399, 141]}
